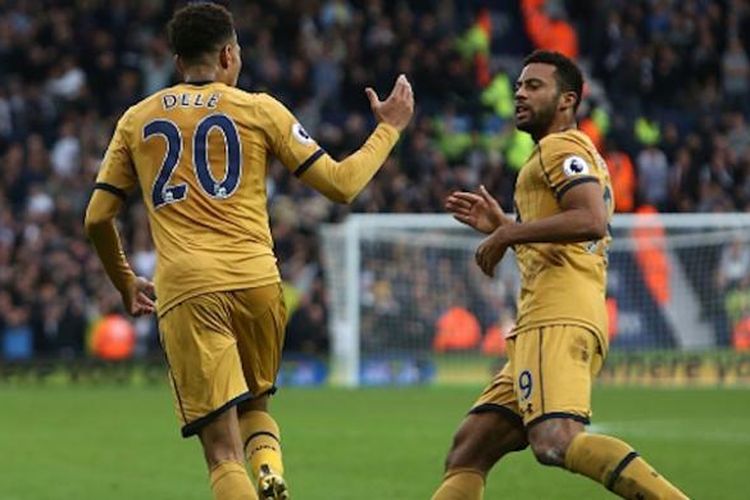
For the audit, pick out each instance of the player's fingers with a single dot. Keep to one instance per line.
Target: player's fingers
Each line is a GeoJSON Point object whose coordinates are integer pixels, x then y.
{"type": "Point", "coordinates": [453, 201]}
{"type": "Point", "coordinates": [399, 87]}
{"type": "Point", "coordinates": [487, 196]}
{"type": "Point", "coordinates": [494, 258]}
{"type": "Point", "coordinates": [458, 211]}
{"type": "Point", "coordinates": [409, 96]}
{"type": "Point", "coordinates": [462, 206]}
{"type": "Point", "coordinates": [485, 269]}
{"type": "Point", "coordinates": [372, 97]}
{"type": "Point", "coordinates": [144, 300]}
{"type": "Point", "coordinates": [478, 257]}
{"type": "Point", "coordinates": [404, 87]}
{"type": "Point", "coordinates": [483, 258]}
{"type": "Point", "coordinates": [406, 95]}
{"type": "Point", "coordinates": [469, 198]}
{"type": "Point", "coordinates": [456, 205]}
{"type": "Point", "coordinates": [487, 265]}
{"type": "Point", "coordinates": [142, 309]}
{"type": "Point", "coordinates": [464, 219]}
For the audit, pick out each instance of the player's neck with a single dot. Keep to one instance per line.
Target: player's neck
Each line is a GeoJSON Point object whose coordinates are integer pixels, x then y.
{"type": "Point", "coordinates": [199, 78]}
{"type": "Point", "coordinates": [199, 74]}
{"type": "Point", "coordinates": [558, 126]}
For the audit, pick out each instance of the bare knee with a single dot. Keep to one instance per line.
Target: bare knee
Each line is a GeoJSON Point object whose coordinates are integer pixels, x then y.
{"type": "Point", "coordinates": [482, 439]}
{"type": "Point", "coordinates": [549, 451]}
{"type": "Point", "coordinates": [550, 439]}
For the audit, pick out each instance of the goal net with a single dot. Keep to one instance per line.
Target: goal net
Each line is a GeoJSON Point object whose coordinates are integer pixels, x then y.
{"type": "Point", "coordinates": [408, 305]}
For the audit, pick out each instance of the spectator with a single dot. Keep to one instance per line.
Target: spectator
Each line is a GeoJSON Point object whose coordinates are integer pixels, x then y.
{"type": "Point", "coordinates": [66, 153]}
{"type": "Point", "coordinates": [735, 73]}
{"type": "Point", "coordinates": [67, 79]}
{"type": "Point", "coordinates": [738, 136]}
{"type": "Point", "coordinates": [69, 70]}
{"type": "Point", "coordinates": [653, 172]}
{"type": "Point", "coordinates": [156, 66]}
{"type": "Point", "coordinates": [683, 182]}
{"type": "Point", "coordinates": [734, 265]}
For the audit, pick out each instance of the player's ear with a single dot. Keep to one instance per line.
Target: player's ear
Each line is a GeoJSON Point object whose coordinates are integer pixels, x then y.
{"type": "Point", "coordinates": [225, 56]}
{"type": "Point", "coordinates": [568, 100]}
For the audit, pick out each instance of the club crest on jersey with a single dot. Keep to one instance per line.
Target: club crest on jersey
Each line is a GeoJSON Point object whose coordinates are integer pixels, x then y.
{"type": "Point", "coordinates": [575, 165]}
{"type": "Point", "coordinates": [299, 133]}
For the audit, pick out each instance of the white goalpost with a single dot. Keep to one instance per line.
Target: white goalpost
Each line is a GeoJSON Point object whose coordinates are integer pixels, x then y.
{"type": "Point", "coordinates": [404, 291]}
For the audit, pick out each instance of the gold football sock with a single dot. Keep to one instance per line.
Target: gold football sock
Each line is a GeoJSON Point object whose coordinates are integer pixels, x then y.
{"type": "Point", "coordinates": [614, 464]}
{"type": "Point", "coordinates": [262, 441]}
{"type": "Point", "coordinates": [229, 481]}
{"type": "Point", "coordinates": [461, 484]}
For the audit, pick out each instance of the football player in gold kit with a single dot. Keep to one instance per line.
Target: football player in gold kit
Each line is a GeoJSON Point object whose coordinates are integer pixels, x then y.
{"type": "Point", "coordinates": [199, 151]}
{"type": "Point", "coordinates": [541, 397]}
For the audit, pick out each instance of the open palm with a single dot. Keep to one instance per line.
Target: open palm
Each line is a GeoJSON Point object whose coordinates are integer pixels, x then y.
{"type": "Point", "coordinates": [478, 210]}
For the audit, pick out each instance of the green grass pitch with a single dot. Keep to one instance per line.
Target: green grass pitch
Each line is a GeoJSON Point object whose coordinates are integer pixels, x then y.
{"type": "Point", "coordinates": [114, 442]}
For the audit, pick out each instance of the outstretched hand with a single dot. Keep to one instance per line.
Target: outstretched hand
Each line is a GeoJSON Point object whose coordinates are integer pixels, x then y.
{"type": "Point", "coordinates": [478, 210]}
{"type": "Point", "coordinates": [398, 108]}
{"type": "Point", "coordinates": [137, 299]}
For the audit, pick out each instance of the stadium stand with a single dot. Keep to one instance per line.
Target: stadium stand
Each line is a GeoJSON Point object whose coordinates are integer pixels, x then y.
{"type": "Point", "coordinates": [669, 97]}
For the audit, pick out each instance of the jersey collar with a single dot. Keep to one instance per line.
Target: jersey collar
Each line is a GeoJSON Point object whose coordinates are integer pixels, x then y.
{"type": "Point", "coordinates": [200, 82]}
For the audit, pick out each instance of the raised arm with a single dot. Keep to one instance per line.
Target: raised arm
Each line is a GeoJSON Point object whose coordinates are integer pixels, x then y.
{"type": "Point", "coordinates": [341, 181]}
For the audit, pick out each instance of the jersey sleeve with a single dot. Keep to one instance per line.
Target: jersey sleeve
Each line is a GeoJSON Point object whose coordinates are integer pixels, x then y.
{"type": "Point", "coordinates": [288, 140]}
{"type": "Point", "coordinates": [117, 172]}
{"type": "Point", "coordinates": [565, 163]}
{"type": "Point", "coordinates": [339, 181]}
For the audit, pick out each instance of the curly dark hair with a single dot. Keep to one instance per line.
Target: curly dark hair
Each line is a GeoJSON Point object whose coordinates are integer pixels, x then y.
{"type": "Point", "coordinates": [568, 76]}
{"type": "Point", "coordinates": [199, 29]}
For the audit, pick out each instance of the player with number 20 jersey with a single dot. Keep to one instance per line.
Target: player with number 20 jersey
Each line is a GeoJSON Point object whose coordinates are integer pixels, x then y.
{"type": "Point", "coordinates": [200, 151]}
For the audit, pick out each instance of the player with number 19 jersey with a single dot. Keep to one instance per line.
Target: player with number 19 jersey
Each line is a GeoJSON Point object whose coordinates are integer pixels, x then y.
{"type": "Point", "coordinates": [561, 302]}
{"type": "Point", "coordinates": [551, 272]}
{"type": "Point", "coordinates": [200, 154]}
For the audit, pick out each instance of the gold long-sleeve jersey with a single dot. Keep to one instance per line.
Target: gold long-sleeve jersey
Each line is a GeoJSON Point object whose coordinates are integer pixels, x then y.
{"type": "Point", "coordinates": [561, 283]}
{"type": "Point", "coordinates": [200, 153]}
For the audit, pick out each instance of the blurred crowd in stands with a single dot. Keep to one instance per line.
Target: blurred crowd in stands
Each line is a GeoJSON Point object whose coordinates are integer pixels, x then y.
{"type": "Point", "coordinates": [668, 102]}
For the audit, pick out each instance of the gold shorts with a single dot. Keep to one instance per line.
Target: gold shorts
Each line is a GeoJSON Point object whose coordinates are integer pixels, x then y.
{"type": "Point", "coordinates": [222, 348]}
{"type": "Point", "coordinates": [548, 375]}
